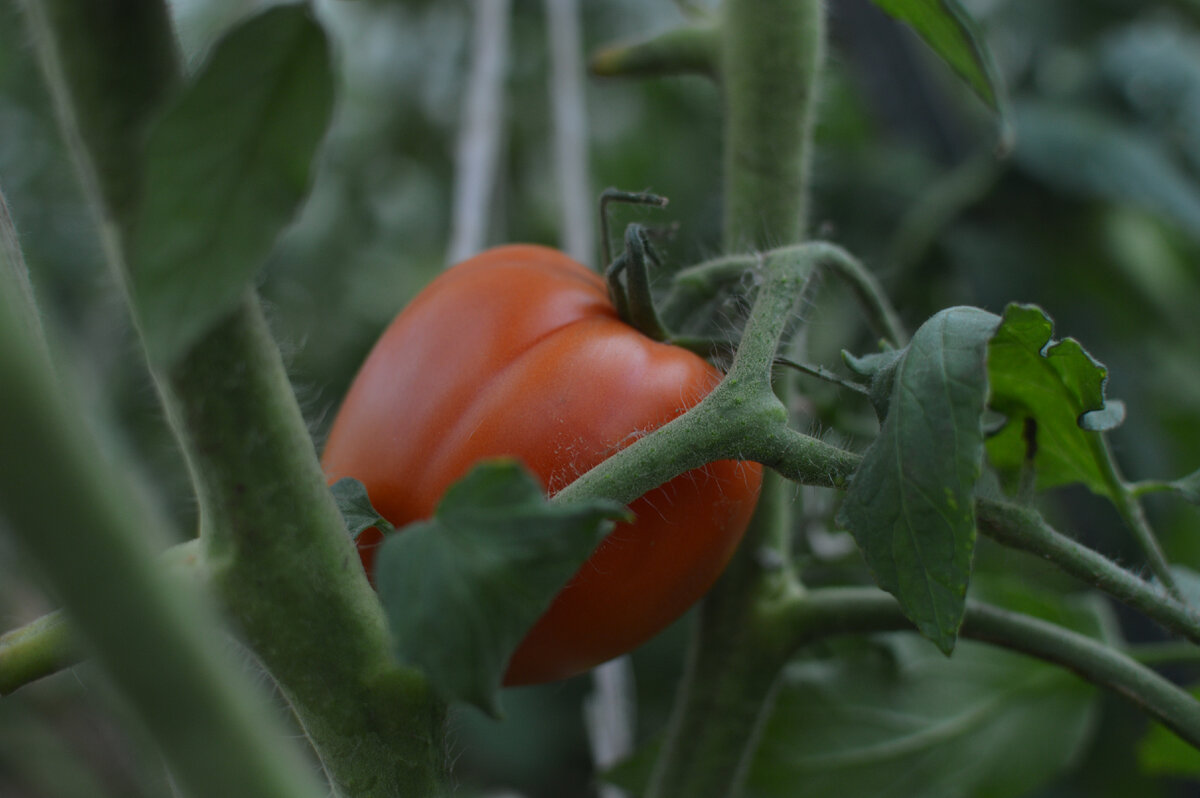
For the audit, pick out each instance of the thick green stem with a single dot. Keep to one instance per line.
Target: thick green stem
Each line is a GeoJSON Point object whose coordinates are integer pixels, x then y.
{"type": "Point", "coordinates": [275, 544]}
{"type": "Point", "coordinates": [770, 56]}
{"type": "Point", "coordinates": [771, 52]}
{"type": "Point", "coordinates": [839, 611]}
{"type": "Point", "coordinates": [280, 559]}
{"type": "Point", "coordinates": [92, 535]}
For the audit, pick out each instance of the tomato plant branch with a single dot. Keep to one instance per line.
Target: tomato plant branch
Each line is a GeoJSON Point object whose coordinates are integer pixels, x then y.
{"type": "Point", "coordinates": [682, 51]}
{"type": "Point", "coordinates": [1131, 511]}
{"type": "Point", "coordinates": [156, 639]}
{"type": "Point", "coordinates": [827, 612]}
{"type": "Point", "coordinates": [49, 644]}
{"type": "Point", "coordinates": [770, 57]}
{"type": "Point", "coordinates": [277, 549]}
{"type": "Point", "coordinates": [275, 544]}
{"type": "Point", "coordinates": [1025, 529]}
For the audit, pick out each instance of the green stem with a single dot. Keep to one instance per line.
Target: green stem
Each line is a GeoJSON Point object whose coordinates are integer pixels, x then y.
{"type": "Point", "coordinates": [49, 644]}
{"type": "Point", "coordinates": [770, 56]}
{"type": "Point", "coordinates": [155, 638]}
{"type": "Point", "coordinates": [1169, 652]}
{"type": "Point", "coordinates": [683, 51]}
{"type": "Point", "coordinates": [1023, 528]}
{"type": "Point", "coordinates": [275, 543]}
{"type": "Point", "coordinates": [771, 52]}
{"type": "Point", "coordinates": [838, 611]}
{"type": "Point", "coordinates": [1130, 508]}
{"type": "Point", "coordinates": [280, 559]}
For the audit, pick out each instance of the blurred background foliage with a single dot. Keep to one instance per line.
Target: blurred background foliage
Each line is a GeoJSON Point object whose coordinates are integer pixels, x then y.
{"type": "Point", "coordinates": [1088, 206]}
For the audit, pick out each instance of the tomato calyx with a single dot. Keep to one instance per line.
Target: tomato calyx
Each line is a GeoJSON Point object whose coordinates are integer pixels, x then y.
{"type": "Point", "coordinates": [628, 280]}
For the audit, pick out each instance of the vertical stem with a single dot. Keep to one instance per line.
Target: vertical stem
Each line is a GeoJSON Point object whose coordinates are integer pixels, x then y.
{"type": "Point", "coordinates": [91, 534]}
{"type": "Point", "coordinates": [1130, 508]}
{"type": "Point", "coordinates": [770, 56]}
{"type": "Point", "coordinates": [277, 548]}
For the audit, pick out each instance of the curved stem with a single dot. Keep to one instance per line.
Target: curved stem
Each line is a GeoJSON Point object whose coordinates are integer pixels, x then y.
{"type": "Point", "coordinates": [838, 611]}
{"type": "Point", "coordinates": [1023, 528]}
{"type": "Point", "coordinates": [1130, 508]}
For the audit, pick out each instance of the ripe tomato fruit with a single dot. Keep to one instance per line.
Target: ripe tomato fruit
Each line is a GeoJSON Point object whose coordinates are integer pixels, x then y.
{"type": "Point", "coordinates": [518, 351]}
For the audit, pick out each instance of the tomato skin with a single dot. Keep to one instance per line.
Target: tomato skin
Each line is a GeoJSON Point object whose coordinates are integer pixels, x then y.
{"type": "Point", "coordinates": [518, 351]}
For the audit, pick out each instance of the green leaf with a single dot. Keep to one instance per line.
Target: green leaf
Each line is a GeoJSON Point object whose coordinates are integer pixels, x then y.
{"type": "Point", "coordinates": [949, 30]}
{"type": "Point", "coordinates": [896, 719]}
{"type": "Point", "coordinates": [1089, 155]}
{"type": "Point", "coordinates": [1052, 391]}
{"type": "Point", "coordinates": [462, 589]}
{"type": "Point", "coordinates": [355, 506]}
{"type": "Point", "coordinates": [226, 169]}
{"type": "Point", "coordinates": [1162, 753]}
{"type": "Point", "coordinates": [910, 505]}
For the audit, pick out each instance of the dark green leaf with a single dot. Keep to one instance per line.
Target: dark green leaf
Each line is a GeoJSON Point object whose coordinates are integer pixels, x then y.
{"type": "Point", "coordinates": [910, 505]}
{"type": "Point", "coordinates": [226, 168]}
{"type": "Point", "coordinates": [462, 589]}
{"type": "Point", "coordinates": [1053, 391]}
{"type": "Point", "coordinates": [355, 504]}
{"type": "Point", "coordinates": [898, 719]}
{"type": "Point", "coordinates": [1089, 155]}
{"type": "Point", "coordinates": [951, 32]}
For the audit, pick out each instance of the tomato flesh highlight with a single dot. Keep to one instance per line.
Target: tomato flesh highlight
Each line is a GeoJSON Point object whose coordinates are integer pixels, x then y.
{"type": "Point", "coordinates": [519, 352]}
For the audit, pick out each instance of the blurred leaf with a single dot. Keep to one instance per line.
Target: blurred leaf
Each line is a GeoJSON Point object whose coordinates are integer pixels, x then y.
{"type": "Point", "coordinates": [901, 720]}
{"type": "Point", "coordinates": [1162, 753]}
{"type": "Point", "coordinates": [355, 505]}
{"type": "Point", "coordinates": [910, 505]}
{"type": "Point", "coordinates": [1058, 387]}
{"type": "Point", "coordinates": [227, 167]}
{"type": "Point", "coordinates": [1156, 66]}
{"type": "Point", "coordinates": [949, 30]}
{"type": "Point", "coordinates": [1086, 154]}
{"type": "Point", "coordinates": [1188, 487]}
{"type": "Point", "coordinates": [462, 589]}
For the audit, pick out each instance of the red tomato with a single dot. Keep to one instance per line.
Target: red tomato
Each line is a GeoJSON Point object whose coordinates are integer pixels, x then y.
{"type": "Point", "coordinates": [518, 351]}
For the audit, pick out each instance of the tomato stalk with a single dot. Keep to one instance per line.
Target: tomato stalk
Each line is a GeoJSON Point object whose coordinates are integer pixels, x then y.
{"type": "Point", "coordinates": [770, 56]}
{"type": "Point", "coordinates": [273, 539]}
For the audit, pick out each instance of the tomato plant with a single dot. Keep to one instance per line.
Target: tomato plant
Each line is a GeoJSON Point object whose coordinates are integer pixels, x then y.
{"type": "Point", "coordinates": [518, 351]}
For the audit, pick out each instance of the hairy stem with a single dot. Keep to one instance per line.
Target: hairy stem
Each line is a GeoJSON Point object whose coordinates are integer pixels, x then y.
{"type": "Point", "coordinates": [1023, 528]}
{"type": "Point", "coordinates": [770, 55]}
{"type": "Point", "coordinates": [274, 543]}
{"type": "Point", "coordinates": [280, 559]}
{"type": "Point", "coordinates": [157, 640]}
{"type": "Point", "coordinates": [1130, 508]}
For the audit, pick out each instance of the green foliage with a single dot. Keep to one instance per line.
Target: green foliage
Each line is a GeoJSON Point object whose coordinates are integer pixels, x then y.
{"type": "Point", "coordinates": [895, 718]}
{"type": "Point", "coordinates": [954, 36]}
{"type": "Point", "coordinates": [227, 166]}
{"type": "Point", "coordinates": [910, 505]}
{"type": "Point", "coordinates": [462, 589]}
{"type": "Point", "coordinates": [1095, 156]}
{"type": "Point", "coordinates": [356, 509]}
{"type": "Point", "coordinates": [1052, 394]}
